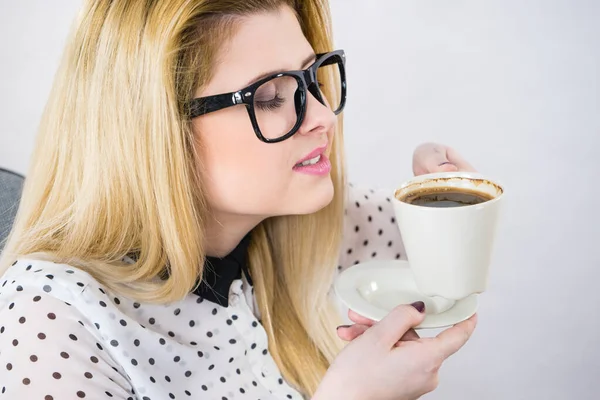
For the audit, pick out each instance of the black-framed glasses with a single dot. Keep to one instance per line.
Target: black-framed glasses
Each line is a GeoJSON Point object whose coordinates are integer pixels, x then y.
{"type": "Point", "coordinates": [277, 104]}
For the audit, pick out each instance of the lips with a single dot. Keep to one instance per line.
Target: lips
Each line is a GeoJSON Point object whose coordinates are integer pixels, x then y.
{"type": "Point", "coordinates": [313, 157]}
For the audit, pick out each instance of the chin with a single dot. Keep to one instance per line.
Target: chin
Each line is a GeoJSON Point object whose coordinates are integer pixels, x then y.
{"type": "Point", "coordinates": [315, 198]}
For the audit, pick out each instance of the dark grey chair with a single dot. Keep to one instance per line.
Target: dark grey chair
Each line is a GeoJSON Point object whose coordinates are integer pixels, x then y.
{"type": "Point", "coordinates": [11, 186]}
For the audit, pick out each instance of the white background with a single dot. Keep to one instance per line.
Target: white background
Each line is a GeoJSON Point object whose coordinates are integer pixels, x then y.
{"type": "Point", "coordinates": [514, 85]}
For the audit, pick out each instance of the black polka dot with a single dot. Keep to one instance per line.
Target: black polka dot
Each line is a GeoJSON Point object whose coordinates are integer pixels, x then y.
{"type": "Point", "coordinates": [50, 276]}
{"type": "Point", "coordinates": [151, 321]}
{"type": "Point", "coordinates": [204, 388]}
{"type": "Point", "coordinates": [177, 359]}
{"type": "Point", "coordinates": [171, 334]}
{"type": "Point", "coordinates": [177, 311]}
{"type": "Point", "coordinates": [380, 208]}
{"type": "Point", "coordinates": [114, 343]}
{"type": "Point", "coordinates": [151, 361]}
{"type": "Point", "coordinates": [47, 288]}
{"type": "Point", "coordinates": [265, 352]}
{"type": "Point", "coordinates": [171, 396]}
{"type": "Point", "coordinates": [254, 384]}
{"type": "Point", "coordinates": [109, 394]}
{"type": "Point", "coordinates": [167, 378]}
{"type": "Point", "coordinates": [80, 394]}
{"type": "Point", "coordinates": [237, 371]}
{"type": "Point", "coordinates": [356, 228]}
{"type": "Point", "coordinates": [123, 322]}
{"type": "Point", "coordinates": [15, 342]}
{"type": "Point", "coordinates": [33, 358]}
{"type": "Point", "coordinates": [187, 392]}
{"type": "Point", "coordinates": [192, 323]}
{"type": "Point", "coordinates": [254, 324]}
{"type": "Point", "coordinates": [349, 251]}
{"type": "Point", "coordinates": [398, 256]}
{"type": "Point", "coordinates": [48, 397]}
{"type": "Point", "coordinates": [232, 341]}
{"type": "Point", "coordinates": [209, 334]}
{"type": "Point", "coordinates": [380, 232]}
{"type": "Point", "coordinates": [72, 337]}
{"type": "Point", "coordinates": [64, 355]}
{"type": "Point", "coordinates": [80, 284]}
{"type": "Point", "coordinates": [253, 346]}
{"type": "Point", "coordinates": [390, 243]}
{"type": "Point", "coordinates": [152, 379]}
{"type": "Point", "coordinates": [94, 359]}
{"type": "Point", "coordinates": [26, 381]}
{"type": "Point", "coordinates": [162, 341]}
{"type": "Point", "coordinates": [136, 305]}
{"type": "Point", "coordinates": [88, 375]}
{"type": "Point", "coordinates": [366, 243]}
{"type": "Point", "coordinates": [52, 316]}
{"type": "Point", "coordinates": [242, 391]}
{"type": "Point", "coordinates": [222, 379]}
{"type": "Point", "coordinates": [280, 381]}
{"type": "Point", "coordinates": [188, 374]}
{"type": "Point", "coordinates": [117, 301]}
{"type": "Point", "coordinates": [102, 304]}
{"type": "Point", "coordinates": [11, 306]}
{"type": "Point", "coordinates": [56, 375]}
{"type": "Point", "coordinates": [41, 336]}
{"type": "Point", "coordinates": [22, 320]}
{"type": "Point", "coordinates": [374, 254]}
{"type": "Point", "coordinates": [370, 218]}
{"type": "Point", "coordinates": [9, 366]}
{"type": "Point", "coordinates": [357, 204]}
{"type": "Point", "coordinates": [214, 311]}
{"type": "Point", "coordinates": [211, 367]}
{"type": "Point", "coordinates": [234, 317]}
{"type": "Point", "coordinates": [19, 288]}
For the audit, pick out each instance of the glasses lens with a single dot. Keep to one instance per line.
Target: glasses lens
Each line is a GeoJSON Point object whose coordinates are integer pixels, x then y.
{"type": "Point", "coordinates": [330, 83]}
{"type": "Point", "coordinates": [275, 106]}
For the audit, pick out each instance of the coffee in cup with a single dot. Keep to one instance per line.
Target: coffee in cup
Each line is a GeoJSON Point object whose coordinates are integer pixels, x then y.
{"type": "Point", "coordinates": [448, 226]}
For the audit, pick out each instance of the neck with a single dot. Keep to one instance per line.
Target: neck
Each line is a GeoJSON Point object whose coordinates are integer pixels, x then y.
{"type": "Point", "coordinates": [225, 231]}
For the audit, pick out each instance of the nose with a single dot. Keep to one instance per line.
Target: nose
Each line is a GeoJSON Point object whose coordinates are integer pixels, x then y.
{"type": "Point", "coordinates": [319, 118]}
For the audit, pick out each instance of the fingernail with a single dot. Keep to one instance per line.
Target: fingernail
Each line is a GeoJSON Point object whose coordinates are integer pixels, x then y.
{"type": "Point", "coordinates": [419, 305]}
{"type": "Point", "coordinates": [343, 326]}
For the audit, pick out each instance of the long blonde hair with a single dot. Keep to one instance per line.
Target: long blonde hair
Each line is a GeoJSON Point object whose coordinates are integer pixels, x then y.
{"type": "Point", "coordinates": [115, 172]}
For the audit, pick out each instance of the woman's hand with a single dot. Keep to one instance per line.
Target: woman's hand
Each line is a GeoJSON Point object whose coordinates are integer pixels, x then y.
{"type": "Point", "coordinates": [432, 157]}
{"type": "Point", "coordinates": [379, 365]}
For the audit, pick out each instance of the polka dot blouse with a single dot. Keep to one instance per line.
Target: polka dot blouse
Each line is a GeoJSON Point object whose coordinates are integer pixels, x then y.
{"type": "Point", "coordinates": [64, 336]}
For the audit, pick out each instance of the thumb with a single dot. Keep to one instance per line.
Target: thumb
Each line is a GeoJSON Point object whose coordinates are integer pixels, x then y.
{"type": "Point", "coordinates": [400, 320]}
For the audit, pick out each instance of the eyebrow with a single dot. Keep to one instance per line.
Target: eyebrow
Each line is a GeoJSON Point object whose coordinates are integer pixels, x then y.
{"type": "Point", "coordinates": [308, 60]}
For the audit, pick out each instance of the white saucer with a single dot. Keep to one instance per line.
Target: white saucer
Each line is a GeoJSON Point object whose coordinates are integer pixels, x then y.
{"type": "Point", "coordinates": [373, 289]}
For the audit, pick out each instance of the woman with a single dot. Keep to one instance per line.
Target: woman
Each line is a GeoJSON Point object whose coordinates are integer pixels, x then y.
{"type": "Point", "coordinates": [178, 236]}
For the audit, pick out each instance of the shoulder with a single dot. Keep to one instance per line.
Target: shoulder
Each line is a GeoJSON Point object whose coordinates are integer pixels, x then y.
{"type": "Point", "coordinates": [62, 281]}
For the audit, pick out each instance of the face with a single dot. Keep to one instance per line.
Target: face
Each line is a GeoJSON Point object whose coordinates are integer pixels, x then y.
{"type": "Point", "coordinates": [243, 176]}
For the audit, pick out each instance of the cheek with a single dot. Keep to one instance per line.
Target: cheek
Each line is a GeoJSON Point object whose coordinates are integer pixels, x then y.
{"type": "Point", "coordinates": [242, 175]}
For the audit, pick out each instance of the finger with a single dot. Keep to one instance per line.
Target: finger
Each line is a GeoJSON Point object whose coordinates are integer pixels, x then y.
{"type": "Point", "coordinates": [452, 339]}
{"type": "Point", "coordinates": [430, 158]}
{"type": "Point", "coordinates": [391, 328]}
{"type": "Point", "coordinates": [359, 319]}
{"type": "Point", "coordinates": [409, 336]}
{"type": "Point", "coordinates": [457, 160]}
{"type": "Point", "coordinates": [349, 333]}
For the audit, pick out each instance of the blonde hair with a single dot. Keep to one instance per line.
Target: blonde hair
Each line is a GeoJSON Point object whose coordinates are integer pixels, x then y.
{"type": "Point", "coordinates": [115, 172]}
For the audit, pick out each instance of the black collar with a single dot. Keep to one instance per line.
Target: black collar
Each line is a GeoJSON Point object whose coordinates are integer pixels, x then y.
{"type": "Point", "coordinates": [219, 274]}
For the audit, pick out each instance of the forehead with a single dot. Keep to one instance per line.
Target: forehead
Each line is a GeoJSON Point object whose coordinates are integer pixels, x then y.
{"type": "Point", "coordinates": [262, 43]}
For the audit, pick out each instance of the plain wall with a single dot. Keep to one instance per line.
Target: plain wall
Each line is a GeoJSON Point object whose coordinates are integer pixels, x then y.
{"type": "Point", "coordinates": [514, 86]}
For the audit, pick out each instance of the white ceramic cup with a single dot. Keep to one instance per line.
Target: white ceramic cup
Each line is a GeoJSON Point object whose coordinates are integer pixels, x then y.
{"type": "Point", "coordinates": [449, 249]}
